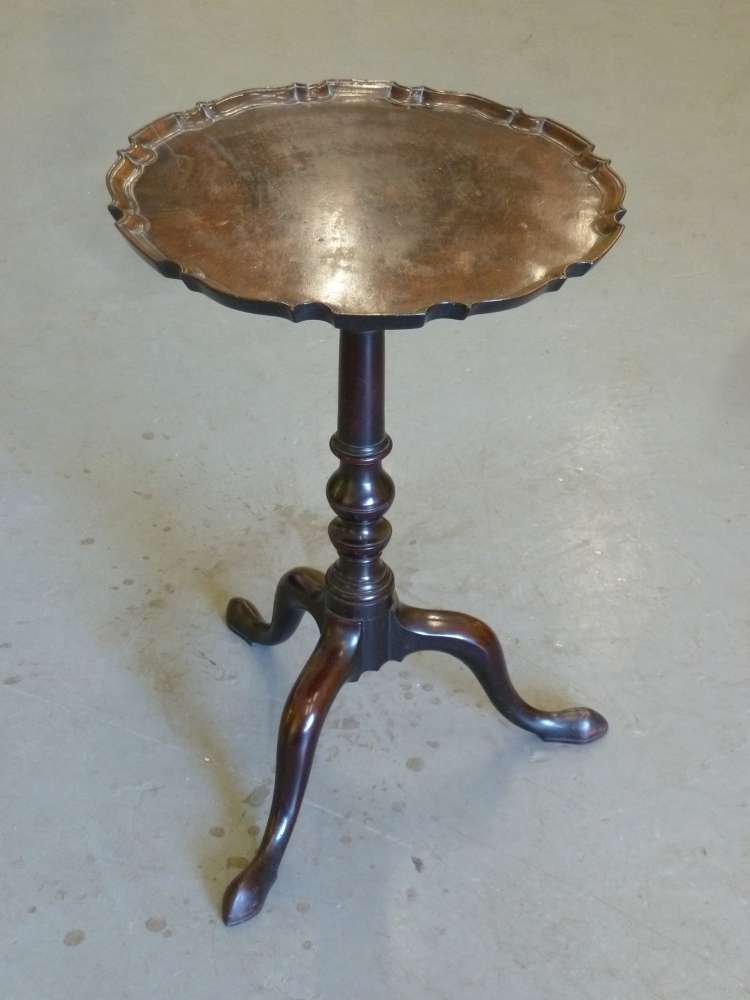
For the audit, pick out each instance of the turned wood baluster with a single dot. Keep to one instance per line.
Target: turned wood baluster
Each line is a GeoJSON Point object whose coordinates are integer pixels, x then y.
{"type": "Point", "coordinates": [359, 584]}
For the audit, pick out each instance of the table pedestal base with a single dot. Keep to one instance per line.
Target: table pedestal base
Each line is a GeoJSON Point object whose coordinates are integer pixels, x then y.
{"type": "Point", "coordinates": [345, 649]}
{"type": "Point", "coordinates": [362, 624]}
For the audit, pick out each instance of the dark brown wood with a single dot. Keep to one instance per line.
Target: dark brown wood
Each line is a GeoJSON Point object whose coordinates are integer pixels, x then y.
{"type": "Point", "coordinates": [366, 204]}
{"type": "Point", "coordinates": [373, 206]}
{"type": "Point", "coordinates": [306, 708]}
{"type": "Point", "coordinates": [298, 591]}
{"type": "Point", "coordinates": [362, 623]}
{"type": "Point", "coordinates": [359, 584]}
{"type": "Point", "coordinates": [476, 645]}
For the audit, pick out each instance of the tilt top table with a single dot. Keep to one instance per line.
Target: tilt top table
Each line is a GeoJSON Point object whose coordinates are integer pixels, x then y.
{"type": "Point", "coordinates": [372, 206]}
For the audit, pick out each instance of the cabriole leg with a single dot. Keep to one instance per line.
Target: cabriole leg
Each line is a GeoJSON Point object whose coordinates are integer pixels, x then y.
{"type": "Point", "coordinates": [476, 645]}
{"type": "Point", "coordinates": [330, 665]}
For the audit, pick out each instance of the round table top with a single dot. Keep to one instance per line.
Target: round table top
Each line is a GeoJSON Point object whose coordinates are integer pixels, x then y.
{"type": "Point", "coordinates": [370, 205]}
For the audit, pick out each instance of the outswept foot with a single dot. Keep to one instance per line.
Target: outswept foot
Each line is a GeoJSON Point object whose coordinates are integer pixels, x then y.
{"type": "Point", "coordinates": [331, 664]}
{"type": "Point", "coordinates": [571, 725]}
{"type": "Point", "coordinates": [298, 591]}
{"type": "Point", "coordinates": [476, 645]}
{"type": "Point", "coordinates": [246, 894]}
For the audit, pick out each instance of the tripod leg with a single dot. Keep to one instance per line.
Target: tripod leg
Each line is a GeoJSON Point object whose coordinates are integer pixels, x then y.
{"type": "Point", "coordinates": [476, 645]}
{"type": "Point", "coordinates": [298, 591]}
{"type": "Point", "coordinates": [302, 720]}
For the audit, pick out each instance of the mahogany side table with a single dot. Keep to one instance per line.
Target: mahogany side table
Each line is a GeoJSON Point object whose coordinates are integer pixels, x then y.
{"type": "Point", "coordinates": [372, 206]}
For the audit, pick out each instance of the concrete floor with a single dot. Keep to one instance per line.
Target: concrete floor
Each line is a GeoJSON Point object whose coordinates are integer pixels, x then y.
{"type": "Point", "coordinates": [590, 499]}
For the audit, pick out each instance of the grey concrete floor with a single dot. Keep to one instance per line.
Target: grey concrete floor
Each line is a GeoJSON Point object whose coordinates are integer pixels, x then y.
{"type": "Point", "coordinates": [576, 472]}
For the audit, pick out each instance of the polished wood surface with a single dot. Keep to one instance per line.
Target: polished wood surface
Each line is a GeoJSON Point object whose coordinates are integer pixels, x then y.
{"type": "Point", "coordinates": [371, 205]}
{"type": "Point", "coordinates": [301, 722]}
{"type": "Point", "coordinates": [362, 623]}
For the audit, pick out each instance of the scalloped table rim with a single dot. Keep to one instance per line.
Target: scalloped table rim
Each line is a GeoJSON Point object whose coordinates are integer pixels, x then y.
{"type": "Point", "coordinates": [143, 150]}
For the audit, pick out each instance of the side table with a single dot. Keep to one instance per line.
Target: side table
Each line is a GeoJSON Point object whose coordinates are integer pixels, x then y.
{"type": "Point", "coordinates": [372, 206]}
